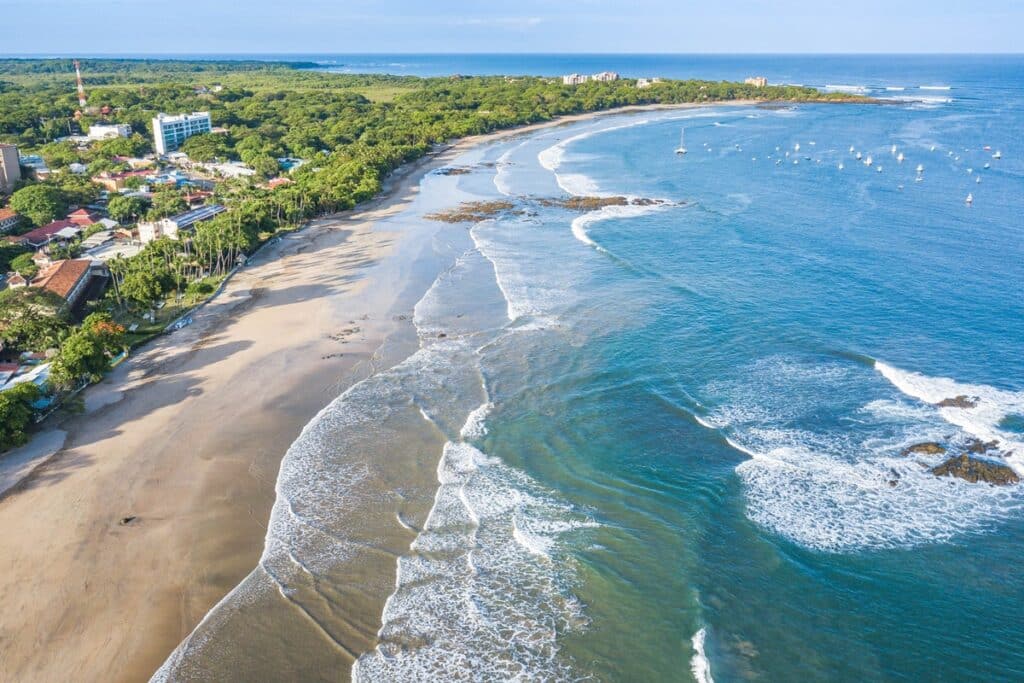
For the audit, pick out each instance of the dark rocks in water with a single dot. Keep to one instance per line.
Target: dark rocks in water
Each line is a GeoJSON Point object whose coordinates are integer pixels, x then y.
{"type": "Point", "coordinates": [958, 402]}
{"type": "Point", "coordinates": [594, 203]}
{"type": "Point", "coordinates": [441, 335]}
{"type": "Point", "coordinates": [981, 447]}
{"type": "Point", "coordinates": [976, 470]}
{"type": "Point", "coordinates": [926, 448]}
{"type": "Point", "coordinates": [453, 170]}
{"type": "Point", "coordinates": [474, 212]}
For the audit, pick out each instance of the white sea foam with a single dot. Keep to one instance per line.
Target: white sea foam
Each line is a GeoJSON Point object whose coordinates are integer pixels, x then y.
{"type": "Point", "coordinates": [895, 88]}
{"type": "Point", "coordinates": [485, 590]}
{"type": "Point", "coordinates": [700, 667]}
{"type": "Point", "coordinates": [840, 484]}
{"type": "Point", "coordinates": [854, 89]}
{"type": "Point", "coordinates": [934, 87]}
{"type": "Point", "coordinates": [476, 423]}
{"type": "Point", "coordinates": [502, 174]}
{"type": "Point", "coordinates": [982, 421]}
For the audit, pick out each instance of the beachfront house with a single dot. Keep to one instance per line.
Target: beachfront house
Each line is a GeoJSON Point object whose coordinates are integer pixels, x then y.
{"type": "Point", "coordinates": [170, 227]}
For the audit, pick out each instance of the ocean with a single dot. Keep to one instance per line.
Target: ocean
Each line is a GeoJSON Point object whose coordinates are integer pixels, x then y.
{"type": "Point", "coordinates": [664, 440]}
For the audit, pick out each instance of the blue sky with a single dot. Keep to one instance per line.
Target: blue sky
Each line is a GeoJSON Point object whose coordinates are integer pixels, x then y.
{"type": "Point", "coordinates": [347, 26]}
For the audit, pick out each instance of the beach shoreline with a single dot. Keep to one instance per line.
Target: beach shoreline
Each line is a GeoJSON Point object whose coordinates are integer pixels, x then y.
{"type": "Point", "coordinates": [156, 506]}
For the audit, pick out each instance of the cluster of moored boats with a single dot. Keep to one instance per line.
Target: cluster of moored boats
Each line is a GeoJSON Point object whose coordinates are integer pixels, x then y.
{"type": "Point", "coordinates": [865, 159]}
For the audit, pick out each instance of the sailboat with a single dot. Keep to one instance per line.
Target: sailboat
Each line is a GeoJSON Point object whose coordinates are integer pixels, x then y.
{"type": "Point", "coordinates": [682, 142]}
{"type": "Point", "coordinates": [920, 168]}
{"type": "Point", "coordinates": [859, 155]}
{"type": "Point", "coordinates": [893, 150]}
{"type": "Point", "coordinates": [868, 161]}
{"type": "Point", "coordinates": [900, 157]}
{"type": "Point", "coordinates": [970, 198]}
{"type": "Point", "coordinates": [997, 155]}
{"type": "Point", "coordinates": [852, 150]}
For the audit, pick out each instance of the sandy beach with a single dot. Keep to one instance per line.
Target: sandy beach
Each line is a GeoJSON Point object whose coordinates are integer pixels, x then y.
{"type": "Point", "coordinates": [157, 504]}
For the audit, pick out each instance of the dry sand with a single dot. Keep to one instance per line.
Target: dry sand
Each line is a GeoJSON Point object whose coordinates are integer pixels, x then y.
{"type": "Point", "coordinates": [187, 437]}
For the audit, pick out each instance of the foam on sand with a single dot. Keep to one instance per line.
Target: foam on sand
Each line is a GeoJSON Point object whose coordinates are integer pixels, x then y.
{"type": "Point", "coordinates": [485, 590]}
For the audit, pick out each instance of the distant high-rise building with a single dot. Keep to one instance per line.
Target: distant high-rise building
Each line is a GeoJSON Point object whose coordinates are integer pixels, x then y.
{"type": "Point", "coordinates": [605, 76]}
{"type": "Point", "coordinates": [10, 171]}
{"type": "Point", "coordinates": [574, 79]}
{"type": "Point", "coordinates": [757, 81]}
{"type": "Point", "coordinates": [170, 131]}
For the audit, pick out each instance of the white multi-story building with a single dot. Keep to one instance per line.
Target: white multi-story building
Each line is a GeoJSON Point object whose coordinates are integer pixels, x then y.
{"type": "Point", "coordinates": [170, 131]}
{"type": "Point", "coordinates": [10, 169]}
{"type": "Point", "coordinates": [575, 79]}
{"type": "Point", "coordinates": [647, 82]}
{"type": "Point", "coordinates": [106, 131]}
{"type": "Point", "coordinates": [605, 76]}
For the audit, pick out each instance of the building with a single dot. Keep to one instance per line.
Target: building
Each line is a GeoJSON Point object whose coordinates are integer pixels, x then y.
{"type": "Point", "coordinates": [574, 79]}
{"type": "Point", "coordinates": [10, 168]}
{"type": "Point", "coordinates": [647, 82]}
{"type": "Point", "coordinates": [170, 227]}
{"type": "Point", "coordinates": [170, 131]}
{"type": "Point", "coordinates": [8, 220]}
{"type": "Point", "coordinates": [115, 182]}
{"type": "Point", "coordinates": [50, 232]}
{"type": "Point", "coordinates": [605, 77]}
{"type": "Point", "coordinates": [68, 279]}
{"type": "Point", "coordinates": [757, 81]}
{"type": "Point", "coordinates": [230, 169]}
{"type": "Point", "coordinates": [84, 218]}
{"type": "Point", "coordinates": [37, 168]}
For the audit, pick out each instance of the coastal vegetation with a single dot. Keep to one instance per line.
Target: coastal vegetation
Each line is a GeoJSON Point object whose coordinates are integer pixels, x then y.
{"type": "Point", "coordinates": [350, 131]}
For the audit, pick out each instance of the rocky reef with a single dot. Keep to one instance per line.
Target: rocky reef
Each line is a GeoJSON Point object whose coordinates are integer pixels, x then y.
{"type": "Point", "coordinates": [976, 470]}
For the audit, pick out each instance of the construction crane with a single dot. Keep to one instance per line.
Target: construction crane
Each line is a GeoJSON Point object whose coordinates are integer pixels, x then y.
{"type": "Point", "coordinates": [81, 88]}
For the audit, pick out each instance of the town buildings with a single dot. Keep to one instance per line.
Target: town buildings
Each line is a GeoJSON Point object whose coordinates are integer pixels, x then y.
{"type": "Point", "coordinates": [69, 279]}
{"type": "Point", "coordinates": [8, 220]}
{"type": "Point", "coordinates": [579, 79]}
{"type": "Point", "coordinates": [170, 227]}
{"type": "Point", "coordinates": [647, 82]}
{"type": "Point", "coordinates": [104, 131]}
{"type": "Point", "coordinates": [757, 81]}
{"type": "Point", "coordinates": [170, 131]}
{"type": "Point", "coordinates": [51, 232]}
{"type": "Point", "coordinates": [10, 168]}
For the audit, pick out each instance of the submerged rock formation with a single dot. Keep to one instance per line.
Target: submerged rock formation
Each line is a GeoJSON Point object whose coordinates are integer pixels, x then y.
{"type": "Point", "coordinates": [976, 470]}
{"type": "Point", "coordinates": [926, 448]}
{"type": "Point", "coordinates": [958, 402]}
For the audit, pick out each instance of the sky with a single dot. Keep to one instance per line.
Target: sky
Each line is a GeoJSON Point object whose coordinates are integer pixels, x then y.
{"type": "Point", "coordinates": [63, 27]}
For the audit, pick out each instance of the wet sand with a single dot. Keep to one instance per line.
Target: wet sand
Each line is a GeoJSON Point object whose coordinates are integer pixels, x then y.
{"type": "Point", "coordinates": [186, 439]}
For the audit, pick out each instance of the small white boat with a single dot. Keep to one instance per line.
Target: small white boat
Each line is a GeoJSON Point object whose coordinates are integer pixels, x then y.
{"type": "Point", "coordinates": [970, 198]}
{"type": "Point", "coordinates": [977, 180]}
{"type": "Point", "coordinates": [893, 150]}
{"type": "Point", "coordinates": [900, 157]}
{"type": "Point", "coordinates": [956, 158]}
{"type": "Point", "coordinates": [868, 161]}
{"type": "Point", "coordinates": [970, 171]}
{"type": "Point", "coordinates": [787, 155]}
{"type": "Point", "coordinates": [879, 169]}
{"type": "Point", "coordinates": [796, 161]}
{"type": "Point", "coordinates": [933, 148]}
{"type": "Point", "coordinates": [858, 156]}
{"type": "Point", "coordinates": [682, 142]}
{"type": "Point", "coordinates": [920, 168]}
{"type": "Point", "coordinates": [796, 147]}
{"type": "Point", "coordinates": [852, 150]}
{"type": "Point", "coordinates": [986, 165]}
{"type": "Point", "coordinates": [812, 143]}
{"type": "Point", "coordinates": [997, 155]}
{"type": "Point", "coordinates": [841, 167]}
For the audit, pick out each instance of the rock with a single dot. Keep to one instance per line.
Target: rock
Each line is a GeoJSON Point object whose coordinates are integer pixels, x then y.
{"type": "Point", "coordinates": [441, 335]}
{"type": "Point", "coordinates": [127, 520]}
{"type": "Point", "coordinates": [976, 470]}
{"type": "Point", "coordinates": [981, 447]}
{"type": "Point", "coordinates": [926, 448]}
{"type": "Point", "coordinates": [958, 402]}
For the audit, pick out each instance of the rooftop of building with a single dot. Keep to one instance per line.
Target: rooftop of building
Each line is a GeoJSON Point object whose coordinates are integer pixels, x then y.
{"type": "Point", "coordinates": [61, 277]}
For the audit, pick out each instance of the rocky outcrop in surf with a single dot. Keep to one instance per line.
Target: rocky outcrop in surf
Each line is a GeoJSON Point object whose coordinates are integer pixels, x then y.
{"type": "Point", "coordinates": [595, 203]}
{"type": "Point", "coordinates": [976, 470]}
{"type": "Point", "coordinates": [926, 448]}
{"type": "Point", "coordinates": [961, 401]}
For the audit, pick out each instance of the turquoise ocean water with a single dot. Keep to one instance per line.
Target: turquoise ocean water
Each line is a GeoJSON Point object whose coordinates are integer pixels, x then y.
{"type": "Point", "coordinates": [674, 431]}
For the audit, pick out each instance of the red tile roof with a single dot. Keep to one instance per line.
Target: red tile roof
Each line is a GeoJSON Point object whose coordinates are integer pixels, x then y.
{"type": "Point", "coordinates": [83, 217]}
{"type": "Point", "coordinates": [62, 276]}
{"type": "Point", "coordinates": [45, 233]}
{"type": "Point", "coordinates": [6, 213]}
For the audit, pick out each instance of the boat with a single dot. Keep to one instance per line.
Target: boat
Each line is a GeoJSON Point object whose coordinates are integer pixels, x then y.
{"type": "Point", "coordinates": [893, 150]}
{"type": "Point", "coordinates": [879, 169]}
{"type": "Point", "coordinates": [970, 198]}
{"type": "Point", "coordinates": [986, 165]}
{"type": "Point", "coordinates": [796, 147]}
{"type": "Point", "coordinates": [852, 149]}
{"type": "Point", "coordinates": [970, 171]}
{"type": "Point", "coordinates": [858, 156]}
{"type": "Point", "coordinates": [841, 167]}
{"type": "Point", "coordinates": [997, 155]}
{"type": "Point", "coordinates": [933, 148]}
{"type": "Point", "coordinates": [977, 180]}
{"type": "Point", "coordinates": [681, 149]}
{"type": "Point", "coordinates": [868, 161]}
{"type": "Point", "coordinates": [900, 157]}
{"type": "Point", "coordinates": [920, 168]}
{"type": "Point", "coordinates": [987, 148]}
